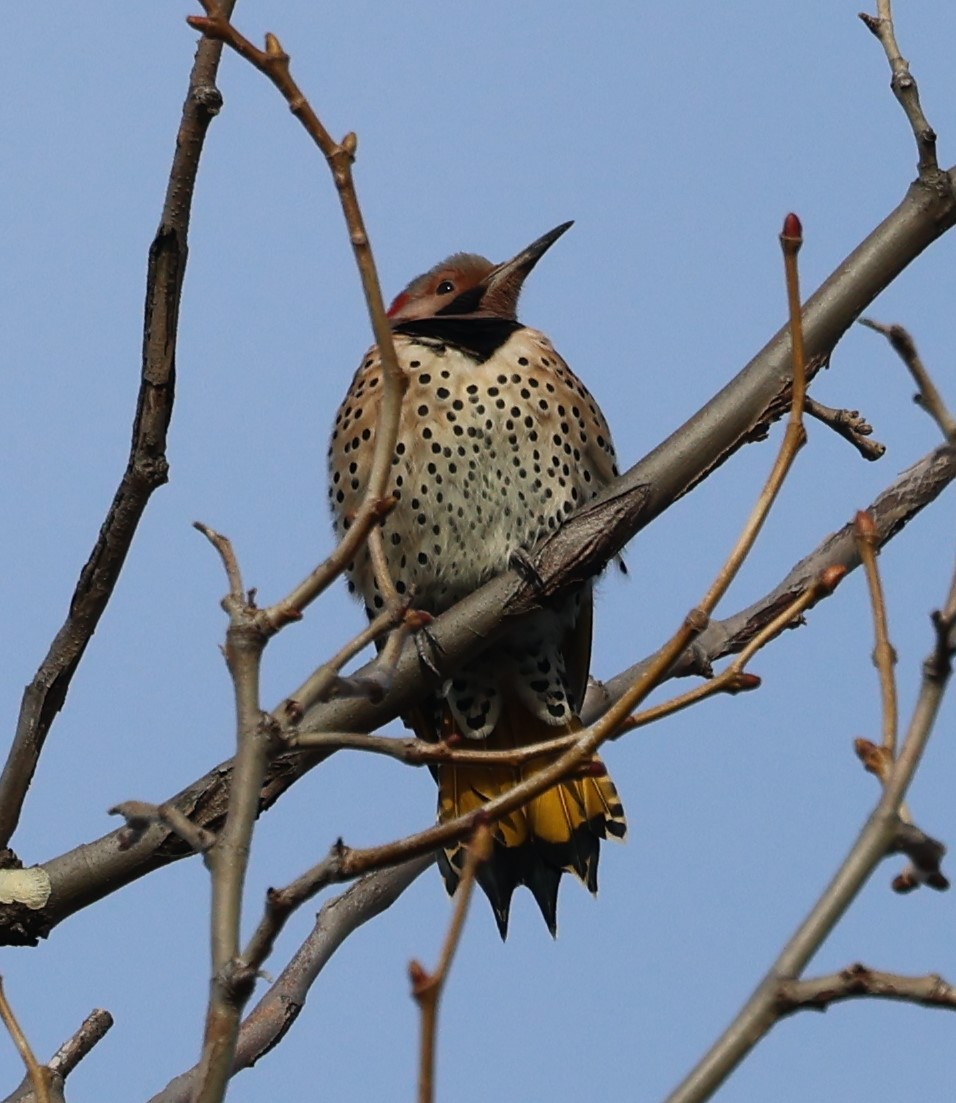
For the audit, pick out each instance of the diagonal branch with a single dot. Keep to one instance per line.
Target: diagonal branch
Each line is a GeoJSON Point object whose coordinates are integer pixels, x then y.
{"type": "Point", "coordinates": [146, 468]}
{"type": "Point", "coordinates": [93, 870]}
{"type": "Point", "coordinates": [580, 547]}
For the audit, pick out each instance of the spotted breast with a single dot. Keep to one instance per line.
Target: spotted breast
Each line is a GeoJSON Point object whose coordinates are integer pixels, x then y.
{"type": "Point", "coordinates": [498, 443]}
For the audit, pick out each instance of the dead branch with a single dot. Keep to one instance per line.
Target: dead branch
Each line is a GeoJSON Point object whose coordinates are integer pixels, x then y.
{"type": "Point", "coordinates": [146, 468]}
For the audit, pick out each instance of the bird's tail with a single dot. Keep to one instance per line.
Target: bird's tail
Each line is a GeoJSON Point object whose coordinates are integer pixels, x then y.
{"type": "Point", "coordinates": [557, 832]}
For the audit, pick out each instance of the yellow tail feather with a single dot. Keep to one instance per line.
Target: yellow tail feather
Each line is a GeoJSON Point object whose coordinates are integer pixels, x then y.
{"type": "Point", "coordinates": [558, 831]}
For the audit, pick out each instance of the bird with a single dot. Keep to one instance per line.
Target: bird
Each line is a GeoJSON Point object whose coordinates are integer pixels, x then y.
{"type": "Point", "coordinates": [498, 443]}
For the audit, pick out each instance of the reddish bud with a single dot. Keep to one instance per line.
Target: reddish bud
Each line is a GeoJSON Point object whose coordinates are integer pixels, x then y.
{"type": "Point", "coordinates": [875, 759]}
{"type": "Point", "coordinates": [831, 577]}
{"type": "Point", "coordinates": [744, 682]}
{"type": "Point", "coordinates": [792, 228]}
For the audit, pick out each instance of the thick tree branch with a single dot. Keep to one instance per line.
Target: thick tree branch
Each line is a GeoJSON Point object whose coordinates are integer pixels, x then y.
{"type": "Point", "coordinates": [580, 547]}
{"type": "Point", "coordinates": [84, 875]}
{"type": "Point", "coordinates": [146, 468]}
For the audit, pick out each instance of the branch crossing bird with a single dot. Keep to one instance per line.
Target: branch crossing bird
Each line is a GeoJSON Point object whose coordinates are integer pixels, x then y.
{"type": "Point", "coordinates": [498, 443]}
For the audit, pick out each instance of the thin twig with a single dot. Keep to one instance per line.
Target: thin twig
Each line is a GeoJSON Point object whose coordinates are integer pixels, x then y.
{"type": "Point", "coordinates": [734, 679]}
{"type": "Point", "coordinates": [904, 87]}
{"type": "Point", "coordinates": [223, 545]}
{"type": "Point", "coordinates": [427, 987]}
{"type": "Point", "coordinates": [380, 571]}
{"type": "Point", "coordinates": [795, 437]}
{"type": "Point", "coordinates": [146, 467]}
{"type": "Point", "coordinates": [273, 62]}
{"type": "Point", "coordinates": [927, 396]}
{"type": "Point", "coordinates": [140, 815]}
{"type": "Point", "coordinates": [819, 993]}
{"type": "Point", "coordinates": [884, 654]}
{"type": "Point", "coordinates": [39, 1076]}
{"type": "Point", "coordinates": [228, 858]}
{"type": "Point", "coordinates": [849, 424]}
{"type": "Point", "coordinates": [325, 678]}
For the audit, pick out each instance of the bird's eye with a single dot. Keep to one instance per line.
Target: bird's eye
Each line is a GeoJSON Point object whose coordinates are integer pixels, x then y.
{"type": "Point", "coordinates": [445, 288]}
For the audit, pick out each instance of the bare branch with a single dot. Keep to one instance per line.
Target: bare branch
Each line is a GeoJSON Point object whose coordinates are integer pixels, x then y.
{"type": "Point", "coordinates": [904, 88]}
{"type": "Point", "coordinates": [795, 437]}
{"type": "Point", "coordinates": [928, 396]}
{"type": "Point", "coordinates": [146, 467]}
{"type": "Point", "coordinates": [819, 993]}
{"type": "Point", "coordinates": [884, 654]}
{"type": "Point", "coordinates": [273, 62]}
{"type": "Point", "coordinates": [230, 564]}
{"type": "Point", "coordinates": [734, 679]}
{"type": "Point", "coordinates": [850, 425]}
{"type": "Point", "coordinates": [228, 858]}
{"type": "Point", "coordinates": [92, 1030]}
{"type": "Point", "coordinates": [140, 815]}
{"type": "Point", "coordinates": [427, 987]}
{"type": "Point", "coordinates": [325, 680]}
{"type": "Point", "coordinates": [894, 508]}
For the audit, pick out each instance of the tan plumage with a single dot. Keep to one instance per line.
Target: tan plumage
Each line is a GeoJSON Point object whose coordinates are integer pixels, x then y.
{"type": "Point", "coordinates": [498, 443]}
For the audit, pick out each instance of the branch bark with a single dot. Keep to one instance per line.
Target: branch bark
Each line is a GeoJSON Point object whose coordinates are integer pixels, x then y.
{"type": "Point", "coordinates": [146, 469]}
{"type": "Point", "coordinates": [739, 413]}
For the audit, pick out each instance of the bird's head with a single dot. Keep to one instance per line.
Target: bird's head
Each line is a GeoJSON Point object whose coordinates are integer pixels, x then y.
{"type": "Point", "coordinates": [468, 286]}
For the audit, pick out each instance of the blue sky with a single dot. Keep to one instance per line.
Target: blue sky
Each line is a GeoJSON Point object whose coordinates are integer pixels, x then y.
{"type": "Point", "coordinates": [677, 136]}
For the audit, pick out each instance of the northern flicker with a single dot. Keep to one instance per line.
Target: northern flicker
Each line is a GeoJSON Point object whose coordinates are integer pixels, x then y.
{"type": "Point", "coordinates": [498, 443]}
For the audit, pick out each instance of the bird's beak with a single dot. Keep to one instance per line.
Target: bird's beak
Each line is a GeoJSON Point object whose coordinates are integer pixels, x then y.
{"type": "Point", "coordinates": [504, 282]}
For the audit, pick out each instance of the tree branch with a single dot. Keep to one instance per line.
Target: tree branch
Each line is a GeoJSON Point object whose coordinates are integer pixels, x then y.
{"type": "Point", "coordinates": [904, 88]}
{"type": "Point", "coordinates": [820, 993]}
{"type": "Point", "coordinates": [146, 468]}
{"type": "Point", "coordinates": [273, 62]}
{"type": "Point", "coordinates": [582, 545]}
